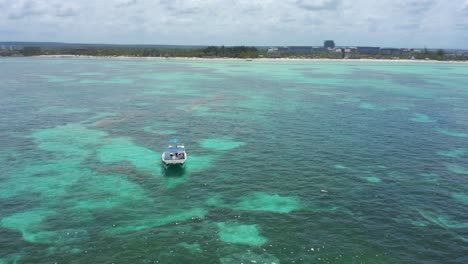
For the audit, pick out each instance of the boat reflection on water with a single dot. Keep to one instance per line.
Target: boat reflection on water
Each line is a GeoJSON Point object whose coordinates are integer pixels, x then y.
{"type": "Point", "coordinates": [173, 171]}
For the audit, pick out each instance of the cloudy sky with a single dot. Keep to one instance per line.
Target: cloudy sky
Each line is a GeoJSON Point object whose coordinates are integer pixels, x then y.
{"type": "Point", "coordinates": [392, 23]}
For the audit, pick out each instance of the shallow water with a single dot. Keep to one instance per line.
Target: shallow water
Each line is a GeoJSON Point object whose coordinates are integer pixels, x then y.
{"type": "Point", "coordinates": [305, 162]}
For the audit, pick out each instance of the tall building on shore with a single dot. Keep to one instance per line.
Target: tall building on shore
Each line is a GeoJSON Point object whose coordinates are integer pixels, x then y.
{"type": "Point", "coordinates": [329, 44]}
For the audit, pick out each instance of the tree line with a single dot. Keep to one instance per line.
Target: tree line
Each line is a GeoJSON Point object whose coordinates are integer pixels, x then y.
{"type": "Point", "coordinates": [207, 52]}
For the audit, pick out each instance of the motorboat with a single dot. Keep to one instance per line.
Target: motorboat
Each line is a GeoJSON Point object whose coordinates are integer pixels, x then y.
{"type": "Point", "coordinates": [174, 155]}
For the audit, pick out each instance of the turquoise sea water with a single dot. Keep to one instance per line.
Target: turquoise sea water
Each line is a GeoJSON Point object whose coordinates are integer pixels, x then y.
{"type": "Point", "coordinates": [289, 162]}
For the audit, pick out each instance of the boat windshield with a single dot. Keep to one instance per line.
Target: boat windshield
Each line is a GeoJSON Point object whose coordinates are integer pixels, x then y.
{"type": "Point", "coordinates": [175, 149]}
{"type": "Point", "coordinates": [176, 153]}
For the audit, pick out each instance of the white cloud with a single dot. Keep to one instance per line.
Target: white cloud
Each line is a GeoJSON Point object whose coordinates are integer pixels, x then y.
{"type": "Point", "coordinates": [464, 9]}
{"type": "Point", "coordinates": [29, 8]}
{"type": "Point", "coordinates": [318, 4]}
{"type": "Point", "coordinates": [400, 23]}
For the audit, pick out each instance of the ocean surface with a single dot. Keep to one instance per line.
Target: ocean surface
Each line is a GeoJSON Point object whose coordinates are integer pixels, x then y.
{"type": "Point", "coordinates": [289, 161]}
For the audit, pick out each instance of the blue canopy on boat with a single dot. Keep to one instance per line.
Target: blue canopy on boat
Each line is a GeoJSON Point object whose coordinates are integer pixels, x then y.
{"type": "Point", "coordinates": [174, 150]}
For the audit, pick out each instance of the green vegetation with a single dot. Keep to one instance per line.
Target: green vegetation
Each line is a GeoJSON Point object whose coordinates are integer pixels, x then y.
{"type": "Point", "coordinates": [207, 52]}
{"type": "Point", "coordinates": [31, 51]}
{"type": "Point", "coordinates": [438, 55]}
{"type": "Point", "coordinates": [242, 52]}
{"type": "Point", "coordinates": [231, 52]}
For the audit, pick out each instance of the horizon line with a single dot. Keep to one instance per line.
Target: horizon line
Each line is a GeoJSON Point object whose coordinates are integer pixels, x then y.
{"type": "Point", "coordinates": [208, 45]}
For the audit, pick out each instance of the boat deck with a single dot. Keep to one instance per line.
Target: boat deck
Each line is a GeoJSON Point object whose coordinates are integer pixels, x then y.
{"type": "Point", "coordinates": [174, 153]}
{"type": "Point", "coordinates": [174, 156]}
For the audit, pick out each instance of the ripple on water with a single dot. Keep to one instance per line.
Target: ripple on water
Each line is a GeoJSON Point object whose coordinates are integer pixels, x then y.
{"type": "Point", "coordinates": [8, 154]}
{"type": "Point", "coordinates": [29, 224]}
{"type": "Point", "coordinates": [63, 250]}
{"type": "Point", "coordinates": [240, 234]}
{"type": "Point", "coordinates": [98, 118]}
{"type": "Point", "coordinates": [75, 143]}
{"type": "Point", "coordinates": [69, 145]}
{"type": "Point", "coordinates": [106, 192]}
{"type": "Point", "coordinates": [155, 130]}
{"type": "Point", "coordinates": [148, 221]}
{"type": "Point", "coordinates": [370, 106]}
{"type": "Point", "coordinates": [349, 99]}
{"type": "Point", "coordinates": [373, 179]}
{"type": "Point", "coordinates": [340, 167]}
{"type": "Point", "coordinates": [442, 220]}
{"type": "Point", "coordinates": [118, 81]}
{"type": "Point", "coordinates": [161, 128]}
{"type": "Point", "coordinates": [455, 168]}
{"type": "Point", "coordinates": [430, 177]}
{"type": "Point", "coordinates": [215, 201]}
{"type": "Point", "coordinates": [452, 133]}
{"type": "Point", "coordinates": [422, 118]}
{"type": "Point", "coordinates": [71, 140]}
{"type": "Point", "coordinates": [454, 153]}
{"type": "Point", "coordinates": [10, 259]}
{"type": "Point", "coordinates": [268, 203]}
{"type": "Point", "coordinates": [197, 163]}
{"type": "Point", "coordinates": [193, 248]}
{"type": "Point", "coordinates": [123, 149]}
{"type": "Point", "coordinates": [249, 257]}
{"type": "Point", "coordinates": [47, 180]}
{"type": "Point", "coordinates": [57, 79]}
{"type": "Point", "coordinates": [62, 110]}
{"type": "Point", "coordinates": [460, 197]}
{"type": "Point", "coordinates": [194, 164]}
{"type": "Point", "coordinates": [221, 143]}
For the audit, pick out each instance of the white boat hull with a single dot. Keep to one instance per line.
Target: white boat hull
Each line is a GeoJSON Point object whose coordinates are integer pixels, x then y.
{"type": "Point", "coordinates": [174, 155]}
{"type": "Point", "coordinates": [174, 161]}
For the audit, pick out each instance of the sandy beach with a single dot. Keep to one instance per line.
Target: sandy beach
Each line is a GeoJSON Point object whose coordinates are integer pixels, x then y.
{"type": "Point", "coordinates": [253, 59]}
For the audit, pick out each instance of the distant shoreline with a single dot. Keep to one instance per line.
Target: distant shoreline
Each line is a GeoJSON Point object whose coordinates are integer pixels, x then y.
{"type": "Point", "coordinates": [248, 59]}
